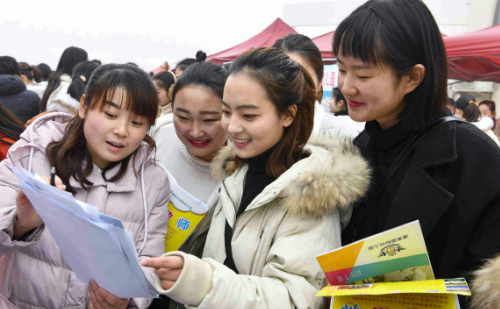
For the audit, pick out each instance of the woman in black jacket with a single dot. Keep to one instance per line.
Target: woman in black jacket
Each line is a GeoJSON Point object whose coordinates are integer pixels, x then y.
{"type": "Point", "coordinates": [427, 165]}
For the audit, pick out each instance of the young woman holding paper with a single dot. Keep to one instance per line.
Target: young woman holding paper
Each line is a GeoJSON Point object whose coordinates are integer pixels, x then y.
{"type": "Point", "coordinates": [104, 157]}
{"type": "Point", "coordinates": [439, 170]}
{"type": "Point", "coordinates": [282, 206]}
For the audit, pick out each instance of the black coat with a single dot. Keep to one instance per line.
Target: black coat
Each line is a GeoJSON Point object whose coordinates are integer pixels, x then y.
{"type": "Point", "coordinates": [25, 104]}
{"type": "Point", "coordinates": [451, 183]}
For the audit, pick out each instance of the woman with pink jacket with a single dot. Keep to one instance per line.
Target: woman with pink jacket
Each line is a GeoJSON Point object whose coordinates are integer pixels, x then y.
{"type": "Point", "coordinates": [104, 157]}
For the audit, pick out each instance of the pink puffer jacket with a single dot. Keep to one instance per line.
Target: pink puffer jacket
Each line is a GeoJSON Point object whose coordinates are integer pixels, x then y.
{"type": "Point", "coordinates": [33, 272]}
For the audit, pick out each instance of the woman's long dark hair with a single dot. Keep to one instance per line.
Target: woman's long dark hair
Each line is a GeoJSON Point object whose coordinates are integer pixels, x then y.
{"type": "Point", "coordinates": [10, 125]}
{"type": "Point", "coordinates": [400, 34]}
{"type": "Point", "coordinates": [286, 83]}
{"type": "Point", "coordinates": [69, 59]}
{"type": "Point", "coordinates": [70, 155]}
{"type": "Point", "coordinates": [472, 113]}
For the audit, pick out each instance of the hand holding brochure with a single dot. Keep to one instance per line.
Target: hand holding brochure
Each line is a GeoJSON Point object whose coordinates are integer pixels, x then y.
{"type": "Point", "coordinates": [95, 246]}
{"type": "Point", "coordinates": [185, 212]}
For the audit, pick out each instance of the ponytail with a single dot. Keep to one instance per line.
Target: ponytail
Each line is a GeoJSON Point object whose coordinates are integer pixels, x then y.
{"type": "Point", "coordinates": [472, 112]}
{"type": "Point", "coordinates": [81, 75]}
{"type": "Point", "coordinates": [77, 88]}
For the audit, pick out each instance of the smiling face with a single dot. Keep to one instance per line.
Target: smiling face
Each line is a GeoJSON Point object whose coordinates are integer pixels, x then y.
{"type": "Point", "coordinates": [197, 121]}
{"type": "Point", "coordinates": [113, 133]}
{"type": "Point", "coordinates": [163, 98]}
{"type": "Point", "coordinates": [250, 118]}
{"type": "Point", "coordinates": [373, 92]}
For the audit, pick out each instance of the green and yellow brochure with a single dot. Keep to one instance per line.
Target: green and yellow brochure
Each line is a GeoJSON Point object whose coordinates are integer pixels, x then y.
{"type": "Point", "coordinates": [398, 254]}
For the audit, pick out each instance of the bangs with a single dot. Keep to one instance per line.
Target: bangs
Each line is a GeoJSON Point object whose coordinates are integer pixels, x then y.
{"type": "Point", "coordinates": [141, 97]}
{"type": "Point", "coordinates": [358, 36]}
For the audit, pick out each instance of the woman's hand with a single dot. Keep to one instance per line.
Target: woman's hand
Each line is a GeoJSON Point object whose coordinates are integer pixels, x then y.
{"type": "Point", "coordinates": [102, 299]}
{"type": "Point", "coordinates": [27, 218]}
{"type": "Point", "coordinates": [167, 268]}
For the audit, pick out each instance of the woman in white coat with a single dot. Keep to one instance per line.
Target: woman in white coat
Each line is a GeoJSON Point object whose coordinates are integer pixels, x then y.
{"type": "Point", "coordinates": [283, 203]}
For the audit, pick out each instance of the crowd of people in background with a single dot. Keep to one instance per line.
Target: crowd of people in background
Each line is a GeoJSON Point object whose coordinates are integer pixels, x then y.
{"type": "Point", "coordinates": [284, 179]}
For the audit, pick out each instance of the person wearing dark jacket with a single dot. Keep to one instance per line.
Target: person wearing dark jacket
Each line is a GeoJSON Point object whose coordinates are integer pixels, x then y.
{"type": "Point", "coordinates": [427, 165]}
{"type": "Point", "coordinates": [20, 101]}
{"type": "Point", "coordinates": [13, 93]}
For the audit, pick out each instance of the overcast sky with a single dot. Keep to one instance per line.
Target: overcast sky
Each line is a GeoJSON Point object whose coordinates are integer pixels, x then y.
{"type": "Point", "coordinates": [147, 32]}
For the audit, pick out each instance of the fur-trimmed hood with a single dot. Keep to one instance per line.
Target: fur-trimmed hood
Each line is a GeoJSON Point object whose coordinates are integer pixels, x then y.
{"type": "Point", "coordinates": [485, 291]}
{"type": "Point", "coordinates": [332, 178]}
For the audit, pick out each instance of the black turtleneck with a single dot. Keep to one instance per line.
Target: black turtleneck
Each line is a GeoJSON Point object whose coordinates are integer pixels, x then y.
{"type": "Point", "coordinates": [382, 150]}
{"type": "Point", "coordinates": [256, 181]}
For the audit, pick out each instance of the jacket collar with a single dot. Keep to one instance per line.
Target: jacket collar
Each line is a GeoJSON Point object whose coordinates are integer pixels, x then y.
{"type": "Point", "coordinates": [332, 178]}
{"type": "Point", "coordinates": [420, 196]}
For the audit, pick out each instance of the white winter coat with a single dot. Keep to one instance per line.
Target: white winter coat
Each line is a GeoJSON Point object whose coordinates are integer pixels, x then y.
{"type": "Point", "coordinates": [276, 239]}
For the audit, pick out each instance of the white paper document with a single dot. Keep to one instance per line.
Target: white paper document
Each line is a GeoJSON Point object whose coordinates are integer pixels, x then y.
{"type": "Point", "coordinates": [96, 246]}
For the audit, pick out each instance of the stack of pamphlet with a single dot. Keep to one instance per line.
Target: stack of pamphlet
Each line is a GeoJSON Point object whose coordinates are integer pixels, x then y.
{"type": "Point", "coordinates": [388, 270]}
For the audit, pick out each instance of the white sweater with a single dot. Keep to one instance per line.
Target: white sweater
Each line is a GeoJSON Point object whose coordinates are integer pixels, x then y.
{"type": "Point", "coordinates": [191, 173]}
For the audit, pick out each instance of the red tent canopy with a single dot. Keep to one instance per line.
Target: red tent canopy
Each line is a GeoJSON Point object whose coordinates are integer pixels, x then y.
{"type": "Point", "coordinates": [474, 56]}
{"type": "Point", "coordinates": [277, 30]}
{"type": "Point", "coordinates": [324, 43]}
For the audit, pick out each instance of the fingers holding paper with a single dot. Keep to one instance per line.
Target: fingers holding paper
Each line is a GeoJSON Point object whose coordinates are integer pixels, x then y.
{"type": "Point", "coordinates": [167, 268]}
{"type": "Point", "coordinates": [27, 218]}
{"type": "Point", "coordinates": [102, 299]}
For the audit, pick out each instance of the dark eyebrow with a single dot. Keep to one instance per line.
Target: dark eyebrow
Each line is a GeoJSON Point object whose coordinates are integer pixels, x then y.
{"type": "Point", "coordinates": [113, 104]}
{"type": "Point", "coordinates": [247, 106]}
{"type": "Point", "coordinates": [179, 109]}
{"type": "Point", "coordinates": [357, 66]}
{"type": "Point", "coordinates": [210, 113]}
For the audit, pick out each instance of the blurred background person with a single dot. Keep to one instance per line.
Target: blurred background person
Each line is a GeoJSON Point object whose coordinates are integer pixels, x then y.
{"type": "Point", "coordinates": [185, 63]}
{"type": "Point", "coordinates": [61, 79]}
{"type": "Point", "coordinates": [338, 106]}
{"type": "Point", "coordinates": [10, 130]}
{"type": "Point", "coordinates": [164, 84]}
{"type": "Point", "coordinates": [450, 104]}
{"type": "Point", "coordinates": [69, 102]}
{"type": "Point", "coordinates": [30, 74]}
{"type": "Point", "coordinates": [472, 114]}
{"type": "Point", "coordinates": [13, 93]}
{"type": "Point", "coordinates": [462, 103]}
{"type": "Point", "coordinates": [488, 109]}
{"type": "Point", "coordinates": [46, 72]}
{"type": "Point", "coordinates": [302, 50]}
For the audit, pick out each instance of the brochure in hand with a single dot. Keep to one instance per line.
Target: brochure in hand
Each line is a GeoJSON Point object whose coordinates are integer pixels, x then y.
{"type": "Point", "coordinates": [185, 212]}
{"type": "Point", "coordinates": [398, 254]}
